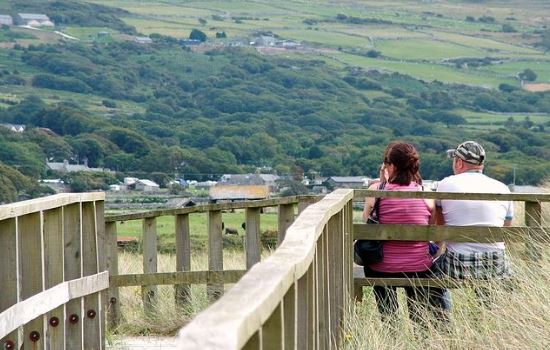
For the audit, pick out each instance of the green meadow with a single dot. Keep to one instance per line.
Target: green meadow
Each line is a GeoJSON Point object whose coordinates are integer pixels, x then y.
{"type": "Point", "coordinates": [414, 38]}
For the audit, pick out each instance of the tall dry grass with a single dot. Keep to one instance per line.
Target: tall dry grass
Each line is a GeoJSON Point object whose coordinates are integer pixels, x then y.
{"type": "Point", "coordinates": [518, 318]}
{"type": "Point", "coordinates": [167, 317]}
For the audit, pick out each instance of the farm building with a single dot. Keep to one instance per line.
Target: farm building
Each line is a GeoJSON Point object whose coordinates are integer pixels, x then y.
{"type": "Point", "coordinates": [238, 192]}
{"type": "Point", "coordinates": [347, 181]}
{"type": "Point", "coordinates": [145, 40]}
{"type": "Point", "coordinates": [146, 185]}
{"type": "Point", "coordinates": [265, 40]}
{"type": "Point", "coordinates": [34, 20]}
{"type": "Point", "coordinates": [269, 180]}
{"type": "Point", "coordinates": [6, 20]}
{"type": "Point", "coordinates": [65, 167]}
{"type": "Point", "coordinates": [14, 127]}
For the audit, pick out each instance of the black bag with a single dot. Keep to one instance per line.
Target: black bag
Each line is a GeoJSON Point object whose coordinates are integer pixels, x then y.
{"type": "Point", "coordinates": [366, 251]}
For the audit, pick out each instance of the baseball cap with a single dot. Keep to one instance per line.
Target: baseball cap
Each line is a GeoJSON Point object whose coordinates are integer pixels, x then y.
{"type": "Point", "coordinates": [469, 151]}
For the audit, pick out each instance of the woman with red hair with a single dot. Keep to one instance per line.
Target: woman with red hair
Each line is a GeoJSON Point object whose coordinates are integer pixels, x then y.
{"type": "Point", "coordinates": [401, 172]}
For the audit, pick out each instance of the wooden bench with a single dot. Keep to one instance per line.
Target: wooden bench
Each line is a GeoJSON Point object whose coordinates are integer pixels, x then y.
{"type": "Point", "coordinates": [532, 232]}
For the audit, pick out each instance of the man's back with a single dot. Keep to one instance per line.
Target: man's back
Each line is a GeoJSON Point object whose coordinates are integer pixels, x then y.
{"type": "Point", "coordinates": [472, 212]}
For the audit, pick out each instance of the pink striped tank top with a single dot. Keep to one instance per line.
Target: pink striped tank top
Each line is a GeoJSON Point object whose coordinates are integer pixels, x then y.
{"type": "Point", "coordinates": [404, 256]}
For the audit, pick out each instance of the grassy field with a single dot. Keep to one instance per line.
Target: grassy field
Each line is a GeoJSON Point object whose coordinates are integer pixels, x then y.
{"type": "Point", "coordinates": [416, 37]}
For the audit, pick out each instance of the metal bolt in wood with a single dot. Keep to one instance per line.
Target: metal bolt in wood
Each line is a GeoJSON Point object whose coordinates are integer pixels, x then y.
{"type": "Point", "coordinates": [54, 321]}
{"type": "Point", "coordinates": [34, 336]}
{"type": "Point", "coordinates": [73, 319]}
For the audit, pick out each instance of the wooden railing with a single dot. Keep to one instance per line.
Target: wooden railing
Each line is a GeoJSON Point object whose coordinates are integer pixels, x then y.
{"type": "Point", "coordinates": [296, 298]}
{"type": "Point", "coordinates": [51, 273]}
{"type": "Point", "coordinates": [182, 277]}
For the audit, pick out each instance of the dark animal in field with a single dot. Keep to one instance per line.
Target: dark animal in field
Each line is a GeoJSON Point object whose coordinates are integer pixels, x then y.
{"type": "Point", "coordinates": [231, 231]}
{"type": "Point", "coordinates": [243, 225]}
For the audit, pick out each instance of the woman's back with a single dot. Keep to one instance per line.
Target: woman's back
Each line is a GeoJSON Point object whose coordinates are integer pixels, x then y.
{"type": "Point", "coordinates": [404, 256]}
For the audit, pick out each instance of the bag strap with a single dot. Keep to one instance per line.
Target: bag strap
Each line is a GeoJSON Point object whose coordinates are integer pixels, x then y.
{"type": "Point", "coordinates": [375, 208]}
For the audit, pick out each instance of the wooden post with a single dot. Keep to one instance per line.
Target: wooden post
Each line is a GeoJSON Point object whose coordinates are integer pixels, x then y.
{"type": "Point", "coordinates": [149, 293]}
{"type": "Point", "coordinates": [183, 257]}
{"type": "Point", "coordinates": [215, 252]}
{"type": "Point", "coordinates": [253, 250]}
{"type": "Point", "coordinates": [112, 302]}
{"type": "Point", "coordinates": [272, 331]}
{"type": "Point", "coordinates": [54, 274]}
{"type": "Point", "coordinates": [290, 321]}
{"type": "Point", "coordinates": [90, 317]}
{"type": "Point", "coordinates": [32, 279]}
{"type": "Point", "coordinates": [285, 219]}
{"type": "Point", "coordinates": [336, 276]}
{"type": "Point", "coordinates": [8, 274]}
{"type": "Point", "coordinates": [101, 264]}
{"type": "Point", "coordinates": [321, 285]}
{"type": "Point", "coordinates": [312, 307]}
{"type": "Point", "coordinates": [349, 238]}
{"type": "Point", "coordinates": [73, 254]}
{"type": "Point", "coordinates": [533, 218]}
{"type": "Point", "coordinates": [302, 312]}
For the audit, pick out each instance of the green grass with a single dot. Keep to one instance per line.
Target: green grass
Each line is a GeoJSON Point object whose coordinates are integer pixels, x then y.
{"type": "Point", "coordinates": [430, 50]}
{"type": "Point", "coordinates": [424, 71]}
{"type": "Point", "coordinates": [198, 227]}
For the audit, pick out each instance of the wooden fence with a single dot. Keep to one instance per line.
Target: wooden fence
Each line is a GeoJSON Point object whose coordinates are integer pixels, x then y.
{"type": "Point", "coordinates": [54, 253]}
{"type": "Point", "coordinates": [52, 273]}
{"type": "Point", "coordinates": [182, 277]}
{"type": "Point", "coordinates": [296, 298]}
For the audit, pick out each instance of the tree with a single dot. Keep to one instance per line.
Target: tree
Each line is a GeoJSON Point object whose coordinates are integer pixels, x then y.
{"type": "Point", "coordinates": [528, 75]}
{"type": "Point", "coordinates": [197, 35]}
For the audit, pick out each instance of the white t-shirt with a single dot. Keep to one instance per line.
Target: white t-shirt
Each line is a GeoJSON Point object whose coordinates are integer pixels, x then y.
{"type": "Point", "coordinates": [474, 213]}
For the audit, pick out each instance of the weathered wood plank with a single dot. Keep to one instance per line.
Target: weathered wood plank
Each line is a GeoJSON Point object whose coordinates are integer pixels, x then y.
{"type": "Point", "coordinates": [32, 278]}
{"type": "Point", "coordinates": [285, 218]}
{"type": "Point", "coordinates": [272, 331]}
{"type": "Point", "coordinates": [435, 233]}
{"type": "Point", "coordinates": [171, 278]}
{"type": "Point", "coordinates": [112, 301]}
{"type": "Point", "coordinates": [252, 237]}
{"type": "Point", "coordinates": [360, 195]}
{"type": "Point", "coordinates": [149, 293]}
{"type": "Point", "coordinates": [13, 210]}
{"type": "Point", "coordinates": [215, 251]}
{"type": "Point", "coordinates": [73, 265]}
{"type": "Point", "coordinates": [183, 256]}
{"type": "Point", "coordinates": [39, 304]}
{"type": "Point", "coordinates": [8, 274]}
{"type": "Point", "coordinates": [290, 324]}
{"type": "Point", "coordinates": [336, 269]}
{"type": "Point", "coordinates": [102, 265]}
{"type": "Point", "coordinates": [54, 274]}
{"type": "Point", "coordinates": [90, 317]}
{"type": "Point", "coordinates": [254, 343]}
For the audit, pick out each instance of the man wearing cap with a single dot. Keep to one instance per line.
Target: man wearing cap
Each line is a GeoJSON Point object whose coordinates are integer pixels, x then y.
{"type": "Point", "coordinates": [468, 259]}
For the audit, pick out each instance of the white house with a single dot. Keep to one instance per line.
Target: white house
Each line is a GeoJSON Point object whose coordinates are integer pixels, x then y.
{"type": "Point", "coordinates": [34, 20]}
{"type": "Point", "coordinates": [143, 40]}
{"type": "Point", "coordinates": [6, 20]}
{"type": "Point", "coordinates": [146, 185]}
{"type": "Point", "coordinates": [65, 167]}
{"type": "Point", "coordinates": [14, 127]}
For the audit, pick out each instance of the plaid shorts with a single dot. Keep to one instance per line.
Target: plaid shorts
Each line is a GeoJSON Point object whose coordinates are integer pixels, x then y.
{"type": "Point", "coordinates": [486, 265]}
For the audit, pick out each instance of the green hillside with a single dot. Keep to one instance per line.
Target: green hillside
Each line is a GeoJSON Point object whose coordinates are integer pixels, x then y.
{"type": "Point", "coordinates": [163, 109]}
